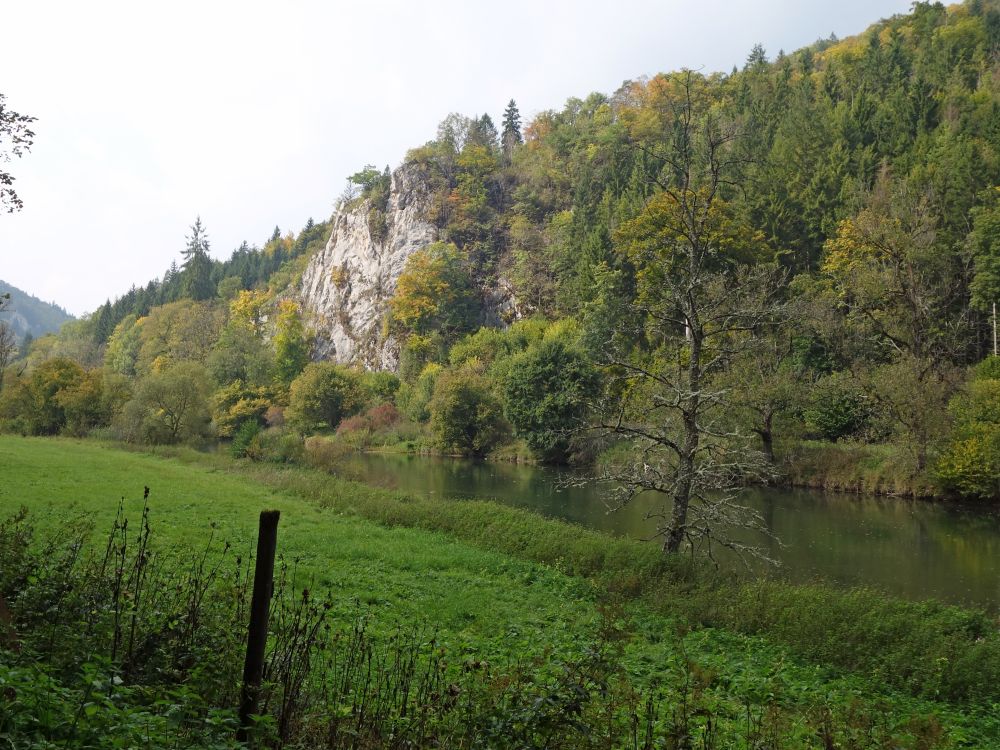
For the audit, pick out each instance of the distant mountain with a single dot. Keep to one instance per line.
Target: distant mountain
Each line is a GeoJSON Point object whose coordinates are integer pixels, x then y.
{"type": "Point", "coordinates": [28, 314]}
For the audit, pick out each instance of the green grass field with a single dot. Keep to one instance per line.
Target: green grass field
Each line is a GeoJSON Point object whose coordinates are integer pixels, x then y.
{"type": "Point", "coordinates": [400, 575]}
{"type": "Point", "coordinates": [493, 582]}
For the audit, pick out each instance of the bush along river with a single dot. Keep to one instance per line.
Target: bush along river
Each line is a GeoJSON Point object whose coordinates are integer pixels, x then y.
{"type": "Point", "coordinates": [913, 549]}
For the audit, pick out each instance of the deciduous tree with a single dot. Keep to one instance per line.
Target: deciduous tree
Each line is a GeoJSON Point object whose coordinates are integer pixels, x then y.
{"type": "Point", "coordinates": [16, 139]}
{"type": "Point", "coordinates": [465, 416]}
{"type": "Point", "coordinates": [292, 343]}
{"type": "Point", "coordinates": [701, 290]}
{"type": "Point", "coordinates": [169, 406]}
{"type": "Point", "coordinates": [547, 392]}
{"type": "Point", "coordinates": [323, 395]}
{"type": "Point", "coordinates": [434, 293]}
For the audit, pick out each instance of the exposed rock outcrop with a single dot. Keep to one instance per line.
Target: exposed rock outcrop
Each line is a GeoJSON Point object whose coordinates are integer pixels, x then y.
{"type": "Point", "coordinates": [346, 287]}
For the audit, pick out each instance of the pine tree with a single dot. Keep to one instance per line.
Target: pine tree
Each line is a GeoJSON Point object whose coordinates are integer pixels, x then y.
{"type": "Point", "coordinates": [511, 135]}
{"type": "Point", "coordinates": [483, 133]}
{"type": "Point", "coordinates": [104, 323]}
{"type": "Point", "coordinates": [757, 58]}
{"type": "Point", "coordinates": [197, 267]}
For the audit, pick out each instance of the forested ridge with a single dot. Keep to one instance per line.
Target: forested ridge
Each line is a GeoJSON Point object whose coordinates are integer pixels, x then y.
{"type": "Point", "coordinates": [34, 317]}
{"type": "Point", "coordinates": [784, 272]}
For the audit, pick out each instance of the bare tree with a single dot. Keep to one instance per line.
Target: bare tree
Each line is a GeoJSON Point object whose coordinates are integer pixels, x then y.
{"type": "Point", "coordinates": [702, 292]}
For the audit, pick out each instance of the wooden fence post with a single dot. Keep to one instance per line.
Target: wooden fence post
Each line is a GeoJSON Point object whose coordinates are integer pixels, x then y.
{"type": "Point", "coordinates": [8, 636]}
{"type": "Point", "coordinates": [260, 604]}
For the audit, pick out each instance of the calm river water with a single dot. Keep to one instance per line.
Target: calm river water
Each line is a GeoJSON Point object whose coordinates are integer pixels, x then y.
{"type": "Point", "coordinates": [910, 548]}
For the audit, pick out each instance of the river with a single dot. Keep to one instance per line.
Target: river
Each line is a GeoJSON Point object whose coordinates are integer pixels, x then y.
{"type": "Point", "coordinates": [914, 549]}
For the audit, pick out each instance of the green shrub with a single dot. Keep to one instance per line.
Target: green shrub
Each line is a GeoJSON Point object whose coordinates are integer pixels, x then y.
{"type": "Point", "coordinates": [547, 392]}
{"type": "Point", "coordinates": [413, 399]}
{"type": "Point", "coordinates": [323, 453]}
{"type": "Point", "coordinates": [243, 438]}
{"type": "Point", "coordinates": [969, 465]}
{"type": "Point", "coordinates": [465, 416]}
{"type": "Point", "coordinates": [988, 369]}
{"type": "Point", "coordinates": [484, 345]}
{"type": "Point", "coordinates": [379, 387]}
{"type": "Point", "coordinates": [837, 408]}
{"type": "Point", "coordinates": [323, 395]}
{"type": "Point", "coordinates": [275, 445]}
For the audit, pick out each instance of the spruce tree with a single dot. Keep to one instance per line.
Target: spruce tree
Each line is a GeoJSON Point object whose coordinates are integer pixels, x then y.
{"type": "Point", "coordinates": [104, 323]}
{"type": "Point", "coordinates": [197, 267]}
{"type": "Point", "coordinates": [483, 133]}
{"type": "Point", "coordinates": [511, 135]}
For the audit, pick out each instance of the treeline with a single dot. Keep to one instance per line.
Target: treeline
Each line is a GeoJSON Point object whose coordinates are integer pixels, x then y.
{"type": "Point", "coordinates": [202, 278]}
{"type": "Point", "coordinates": [791, 257]}
{"type": "Point", "coordinates": [145, 367]}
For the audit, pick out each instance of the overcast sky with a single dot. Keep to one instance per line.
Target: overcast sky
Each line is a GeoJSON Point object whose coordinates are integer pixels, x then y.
{"type": "Point", "coordinates": [252, 114]}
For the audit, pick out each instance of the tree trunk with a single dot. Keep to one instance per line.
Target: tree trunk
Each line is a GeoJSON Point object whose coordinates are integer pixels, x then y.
{"type": "Point", "coordinates": [686, 468]}
{"type": "Point", "coordinates": [678, 517]}
{"type": "Point", "coordinates": [767, 439]}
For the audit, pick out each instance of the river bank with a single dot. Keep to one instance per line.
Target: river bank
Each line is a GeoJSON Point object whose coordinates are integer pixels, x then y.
{"type": "Point", "coordinates": [906, 643]}
{"type": "Point", "coordinates": [853, 468]}
{"type": "Point", "coordinates": [857, 469]}
{"type": "Point", "coordinates": [926, 648]}
{"type": "Point", "coordinates": [500, 581]}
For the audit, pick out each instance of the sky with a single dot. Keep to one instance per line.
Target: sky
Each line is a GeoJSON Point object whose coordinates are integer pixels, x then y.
{"type": "Point", "coordinates": [251, 115]}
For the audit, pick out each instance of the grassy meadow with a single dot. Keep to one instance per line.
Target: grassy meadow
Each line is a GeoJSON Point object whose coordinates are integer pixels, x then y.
{"type": "Point", "coordinates": [728, 662]}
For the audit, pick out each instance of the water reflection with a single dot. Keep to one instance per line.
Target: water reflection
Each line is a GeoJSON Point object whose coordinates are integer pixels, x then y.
{"type": "Point", "coordinates": [913, 549]}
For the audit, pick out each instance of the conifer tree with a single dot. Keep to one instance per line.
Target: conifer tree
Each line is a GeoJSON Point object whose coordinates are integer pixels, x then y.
{"type": "Point", "coordinates": [103, 323]}
{"type": "Point", "coordinates": [197, 267]}
{"type": "Point", "coordinates": [8, 342]}
{"type": "Point", "coordinates": [511, 134]}
{"type": "Point", "coordinates": [757, 59]}
{"type": "Point", "coordinates": [483, 133]}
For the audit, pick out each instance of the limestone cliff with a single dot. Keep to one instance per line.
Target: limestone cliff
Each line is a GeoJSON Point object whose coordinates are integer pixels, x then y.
{"type": "Point", "coordinates": [346, 287]}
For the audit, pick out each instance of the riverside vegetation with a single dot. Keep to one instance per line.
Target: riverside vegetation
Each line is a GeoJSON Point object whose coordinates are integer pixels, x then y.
{"type": "Point", "coordinates": [427, 621]}
{"type": "Point", "coordinates": [783, 273]}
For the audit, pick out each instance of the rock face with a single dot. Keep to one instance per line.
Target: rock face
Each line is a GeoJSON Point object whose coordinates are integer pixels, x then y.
{"type": "Point", "coordinates": [346, 287]}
